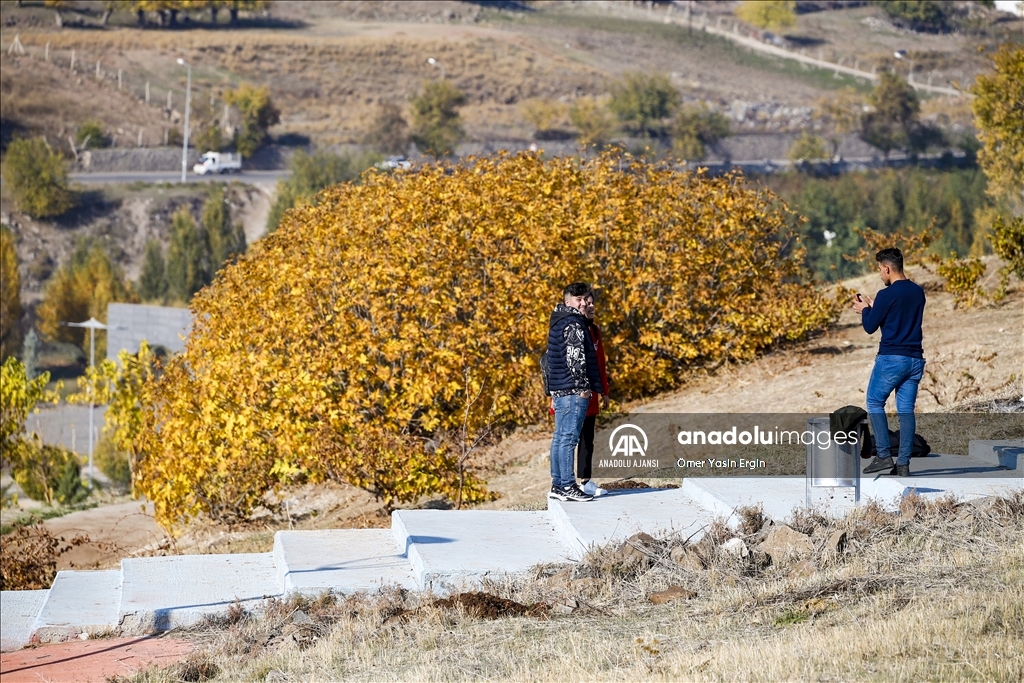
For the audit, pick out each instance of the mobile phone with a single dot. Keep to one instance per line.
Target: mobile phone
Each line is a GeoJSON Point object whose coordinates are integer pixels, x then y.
{"type": "Point", "coordinates": [858, 297]}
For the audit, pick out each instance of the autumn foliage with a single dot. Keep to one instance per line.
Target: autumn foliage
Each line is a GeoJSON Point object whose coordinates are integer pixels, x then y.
{"type": "Point", "coordinates": [378, 334]}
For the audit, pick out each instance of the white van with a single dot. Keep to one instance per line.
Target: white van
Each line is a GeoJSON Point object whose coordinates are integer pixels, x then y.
{"type": "Point", "coordinates": [218, 162]}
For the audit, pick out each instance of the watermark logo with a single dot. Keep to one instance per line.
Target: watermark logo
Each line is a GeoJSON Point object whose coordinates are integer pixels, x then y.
{"type": "Point", "coordinates": [628, 443]}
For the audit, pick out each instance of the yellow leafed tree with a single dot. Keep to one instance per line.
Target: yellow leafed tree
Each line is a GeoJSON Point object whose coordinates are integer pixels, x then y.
{"type": "Point", "coordinates": [380, 332]}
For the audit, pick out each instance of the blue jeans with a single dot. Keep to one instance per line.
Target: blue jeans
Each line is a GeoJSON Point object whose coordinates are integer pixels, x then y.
{"type": "Point", "coordinates": [903, 375]}
{"type": "Point", "coordinates": [570, 412]}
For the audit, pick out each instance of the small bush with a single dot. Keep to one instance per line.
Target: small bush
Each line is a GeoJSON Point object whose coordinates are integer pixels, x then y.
{"type": "Point", "coordinates": [38, 178]}
{"type": "Point", "coordinates": [695, 129]}
{"type": "Point", "coordinates": [919, 15]}
{"type": "Point", "coordinates": [595, 124]}
{"type": "Point", "coordinates": [28, 559]}
{"type": "Point", "coordinates": [389, 131]}
{"type": "Point", "coordinates": [112, 462]}
{"type": "Point", "coordinates": [962, 277]}
{"type": "Point", "coordinates": [90, 135]}
{"type": "Point", "coordinates": [48, 473]}
{"type": "Point", "coordinates": [809, 148]}
{"type": "Point", "coordinates": [1008, 243]}
{"type": "Point", "coordinates": [643, 100]}
{"type": "Point", "coordinates": [437, 126]}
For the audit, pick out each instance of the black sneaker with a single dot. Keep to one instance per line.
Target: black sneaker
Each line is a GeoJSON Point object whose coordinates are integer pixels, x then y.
{"type": "Point", "coordinates": [571, 493]}
{"type": "Point", "coordinates": [886, 465]}
{"type": "Point", "coordinates": [557, 493]}
{"type": "Point", "coordinates": [902, 470]}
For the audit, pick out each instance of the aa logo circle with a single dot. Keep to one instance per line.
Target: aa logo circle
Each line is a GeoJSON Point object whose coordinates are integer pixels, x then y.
{"type": "Point", "coordinates": [628, 441]}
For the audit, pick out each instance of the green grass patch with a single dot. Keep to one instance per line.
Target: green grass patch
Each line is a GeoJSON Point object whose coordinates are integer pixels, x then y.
{"type": "Point", "coordinates": [791, 617]}
{"type": "Point", "coordinates": [43, 514]}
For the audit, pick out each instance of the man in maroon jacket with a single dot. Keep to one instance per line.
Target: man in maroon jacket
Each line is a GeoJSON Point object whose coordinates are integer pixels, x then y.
{"type": "Point", "coordinates": [585, 449]}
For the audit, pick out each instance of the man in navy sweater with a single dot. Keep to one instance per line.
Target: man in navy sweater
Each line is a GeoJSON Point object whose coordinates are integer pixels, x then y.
{"type": "Point", "coordinates": [898, 310]}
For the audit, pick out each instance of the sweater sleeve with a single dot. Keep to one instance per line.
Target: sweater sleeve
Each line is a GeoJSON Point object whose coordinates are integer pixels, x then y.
{"type": "Point", "coordinates": [872, 316]}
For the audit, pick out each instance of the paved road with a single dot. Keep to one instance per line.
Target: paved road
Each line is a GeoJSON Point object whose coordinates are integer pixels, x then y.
{"type": "Point", "coordinates": [250, 177]}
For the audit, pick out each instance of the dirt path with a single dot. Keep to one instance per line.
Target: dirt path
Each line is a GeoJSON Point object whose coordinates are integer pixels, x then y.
{"type": "Point", "coordinates": [92, 660]}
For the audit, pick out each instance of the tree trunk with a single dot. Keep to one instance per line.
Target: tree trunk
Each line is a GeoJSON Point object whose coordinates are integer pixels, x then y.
{"type": "Point", "coordinates": [141, 17]}
{"type": "Point", "coordinates": [213, 14]}
{"type": "Point", "coordinates": [162, 13]}
{"type": "Point", "coordinates": [60, 19]}
{"type": "Point", "coordinates": [174, 17]}
{"type": "Point", "coordinates": [234, 16]}
{"type": "Point", "coordinates": [106, 16]}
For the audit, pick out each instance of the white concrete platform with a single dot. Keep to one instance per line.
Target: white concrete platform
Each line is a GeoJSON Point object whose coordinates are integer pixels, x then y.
{"type": "Point", "coordinates": [340, 561]}
{"type": "Point", "coordinates": [992, 465]}
{"type": "Point", "coordinates": [80, 602]}
{"type": "Point", "coordinates": [19, 611]}
{"type": "Point", "coordinates": [160, 593]}
{"type": "Point", "coordinates": [445, 550]}
{"type": "Point", "coordinates": [779, 496]}
{"type": "Point", "coordinates": [455, 549]}
{"type": "Point", "coordinates": [1006, 453]}
{"type": "Point", "coordinates": [621, 513]}
{"type": "Point", "coordinates": [967, 488]}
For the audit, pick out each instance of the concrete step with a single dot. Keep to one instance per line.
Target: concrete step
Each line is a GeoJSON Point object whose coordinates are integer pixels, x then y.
{"type": "Point", "coordinates": [19, 611]}
{"type": "Point", "coordinates": [620, 514]}
{"type": "Point", "coordinates": [1008, 453]}
{"type": "Point", "coordinates": [80, 602]}
{"type": "Point", "coordinates": [340, 561]}
{"type": "Point", "coordinates": [160, 593]}
{"type": "Point", "coordinates": [456, 549]}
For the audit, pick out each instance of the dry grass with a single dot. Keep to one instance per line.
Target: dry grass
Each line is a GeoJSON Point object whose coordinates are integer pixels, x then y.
{"type": "Point", "coordinates": [934, 592]}
{"type": "Point", "coordinates": [329, 88]}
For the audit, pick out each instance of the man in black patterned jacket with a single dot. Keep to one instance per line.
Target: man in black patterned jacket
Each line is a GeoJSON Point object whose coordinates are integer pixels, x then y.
{"type": "Point", "coordinates": [573, 375]}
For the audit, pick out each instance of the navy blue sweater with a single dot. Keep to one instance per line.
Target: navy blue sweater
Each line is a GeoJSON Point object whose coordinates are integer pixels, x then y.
{"type": "Point", "coordinates": [898, 310]}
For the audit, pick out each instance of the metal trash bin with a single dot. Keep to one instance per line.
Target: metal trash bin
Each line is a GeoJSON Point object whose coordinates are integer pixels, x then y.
{"type": "Point", "coordinates": [837, 465]}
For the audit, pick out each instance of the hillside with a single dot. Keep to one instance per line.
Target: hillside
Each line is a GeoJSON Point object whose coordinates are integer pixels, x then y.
{"type": "Point", "coordinates": [329, 65]}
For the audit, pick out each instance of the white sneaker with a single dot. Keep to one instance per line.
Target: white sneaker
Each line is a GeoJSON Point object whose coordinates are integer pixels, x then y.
{"type": "Point", "coordinates": [592, 489]}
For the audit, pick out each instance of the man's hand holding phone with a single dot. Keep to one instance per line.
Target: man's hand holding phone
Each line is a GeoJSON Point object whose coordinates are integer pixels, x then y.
{"type": "Point", "coordinates": [860, 302]}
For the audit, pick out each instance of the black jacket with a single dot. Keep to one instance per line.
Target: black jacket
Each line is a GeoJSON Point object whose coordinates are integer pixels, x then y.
{"type": "Point", "coordinates": [572, 362]}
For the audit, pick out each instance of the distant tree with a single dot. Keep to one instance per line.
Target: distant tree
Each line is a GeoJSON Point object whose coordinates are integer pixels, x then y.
{"type": "Point", "coordinates": [153, 279]}
{"type": "Point", "coordinates": [695, 129]}
{"type": "Point", "coordinates": [772, 14]}
{"type": "Point", "coordinates": [840, 113]}
{"type": "Point", "coordinates": [437, 126]}
{"type": "Point", "coordinates": [999, 117]}
{"type": "Point", "coordinates": [542, 114]}
{"type": "Point", "coordinates": [38, 178]}
{"type": "Point", "coordinates": [226, 239]}
{"type": "Point", "coordinates": [188, 265]}
{"type": "Point", "coordinates": [808, 148]}
{"type": "Point", "coordinates": [258, 115]}
{"type": "Point", "coordinates": [644, 100]}
{"type": "Point", "coordinates": [593, 122]}
{"type": "Point", "coordinates": [10, 294]}
{"type": "Point", "coordinates": [90, 135]}
{"type": "Point", "coordinates": [389, 131]}
{"type": "Point", "coordinates": [79, 291]}
{"type": "Point", "coordinates": [919, 15]}
{"type": "Point", "coordinates": [894, 113]}
{"type": "Point", "coordinates": [311, 173]}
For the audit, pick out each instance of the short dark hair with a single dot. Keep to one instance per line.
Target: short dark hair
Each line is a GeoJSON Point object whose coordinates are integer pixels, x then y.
{"type": "Point", "coordinates": [576, 289]}
{"type": "Point", "coordinates": [892, 257]}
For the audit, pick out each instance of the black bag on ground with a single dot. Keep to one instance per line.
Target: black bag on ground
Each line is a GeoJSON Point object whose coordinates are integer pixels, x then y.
{"type": "Point", "coordinates": [919, 449]}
